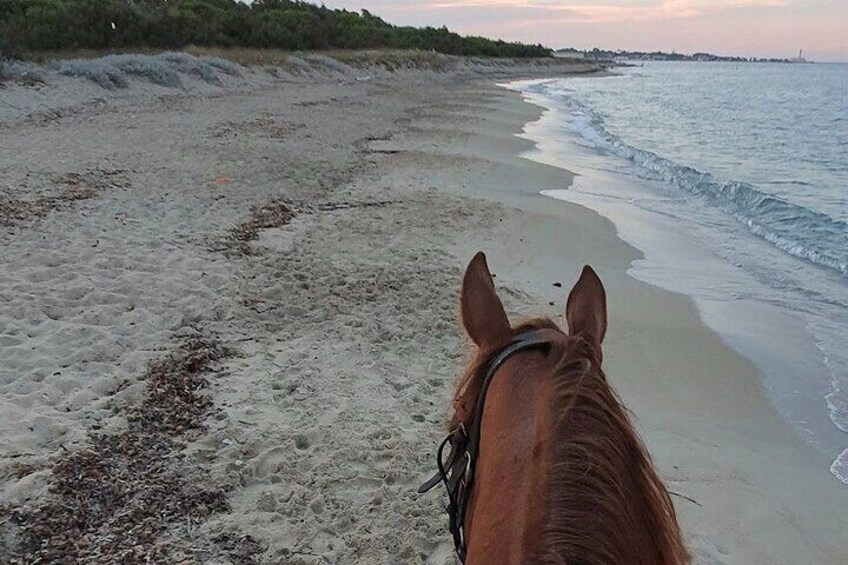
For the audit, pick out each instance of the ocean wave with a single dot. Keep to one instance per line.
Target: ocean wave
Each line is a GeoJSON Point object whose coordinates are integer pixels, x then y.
{"type": "Point", "coordinates": [790, 182]}
{"type": "Point", "coordinates": [839, 467]}
{"type": "Point", "coordinates": [837, 404]}
{"type": "Point", "coordinates": [796, 230]}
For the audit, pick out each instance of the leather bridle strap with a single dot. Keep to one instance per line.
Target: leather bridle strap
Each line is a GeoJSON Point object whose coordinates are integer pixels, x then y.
{"type": "Point", "coordinates": [457, 472]}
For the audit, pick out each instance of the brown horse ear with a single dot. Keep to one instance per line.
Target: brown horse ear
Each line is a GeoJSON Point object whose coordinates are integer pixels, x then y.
{"type": "Point", "coordinates": [483, 314]}
{"type": "Point", "coordinates": [586, 309]}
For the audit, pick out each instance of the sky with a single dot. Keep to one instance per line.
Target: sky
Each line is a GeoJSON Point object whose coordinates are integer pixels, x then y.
{"type": "Point", "coordinates": [759, 28]}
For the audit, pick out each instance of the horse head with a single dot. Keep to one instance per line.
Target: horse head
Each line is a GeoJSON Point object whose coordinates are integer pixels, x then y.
{"type": "Point", "coordinates": [544, 464]}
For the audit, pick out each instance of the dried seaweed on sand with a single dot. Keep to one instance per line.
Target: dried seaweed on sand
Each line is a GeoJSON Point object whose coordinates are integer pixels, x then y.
{"type": "Point", "coordinates": [64, 193]}
{"type": "Point", "coordinates": [274, 214]}
{"type": "Point", "coordinates": [127, 496]}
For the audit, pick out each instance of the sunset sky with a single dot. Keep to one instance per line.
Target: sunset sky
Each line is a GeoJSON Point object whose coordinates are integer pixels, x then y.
{"type": "Point", "coordinates": [762, 28]}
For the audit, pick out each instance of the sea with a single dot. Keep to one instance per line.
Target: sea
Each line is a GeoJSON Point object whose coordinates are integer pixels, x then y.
{"type": "Point", "coordinates": [732, 179]}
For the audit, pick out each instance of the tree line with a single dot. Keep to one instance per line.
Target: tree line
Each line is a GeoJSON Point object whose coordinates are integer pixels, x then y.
{"type": "Point", "coordinates": [39, 25]}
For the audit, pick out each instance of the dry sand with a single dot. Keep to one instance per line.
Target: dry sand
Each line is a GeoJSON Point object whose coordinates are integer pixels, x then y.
{"type": "Point", "coordinates": [289, 248]}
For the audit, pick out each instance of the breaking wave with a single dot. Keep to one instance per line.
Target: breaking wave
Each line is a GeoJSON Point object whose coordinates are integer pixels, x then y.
{"type": "Point", "coordinates": [797, 230]}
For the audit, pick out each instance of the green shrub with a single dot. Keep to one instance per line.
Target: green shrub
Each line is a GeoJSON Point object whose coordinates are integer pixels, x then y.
{"type": "Point", "coordinates": [39, 25]}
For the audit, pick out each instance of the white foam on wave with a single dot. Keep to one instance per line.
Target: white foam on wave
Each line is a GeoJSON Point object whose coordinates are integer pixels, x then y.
{"type": "Point", "coordinates": [839, 468]}
{"type": "Point", "coordinates": [750, 206]}
{"type": "Point", "coordinates": [837, 404]}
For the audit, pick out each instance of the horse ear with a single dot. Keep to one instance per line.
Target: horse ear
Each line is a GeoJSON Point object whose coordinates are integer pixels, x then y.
{"type": "Point", "coordinates": [586, 309]}
{"type": "Point", "coordinates": [483, 314]}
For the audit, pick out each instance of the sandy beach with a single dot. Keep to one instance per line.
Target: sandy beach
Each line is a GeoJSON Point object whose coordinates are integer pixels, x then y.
{"type": "Point", "coordinates": [287, 248]}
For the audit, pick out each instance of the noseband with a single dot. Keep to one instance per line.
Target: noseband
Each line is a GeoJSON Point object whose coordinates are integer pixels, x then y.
{"type": "Point", "coordinates": [457, 471]}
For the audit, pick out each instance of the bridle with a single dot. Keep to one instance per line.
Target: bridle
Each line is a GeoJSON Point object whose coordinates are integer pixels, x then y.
{"type": "Point", "coordinates": [457, 472]}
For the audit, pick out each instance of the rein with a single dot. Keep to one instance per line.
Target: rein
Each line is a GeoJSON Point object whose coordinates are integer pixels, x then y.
{"type": "Point", "coordinates": [457, 471]}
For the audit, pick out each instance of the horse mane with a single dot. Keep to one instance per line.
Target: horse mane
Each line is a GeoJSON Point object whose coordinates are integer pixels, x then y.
{"type": "Point", "coordinates": [604, 501]}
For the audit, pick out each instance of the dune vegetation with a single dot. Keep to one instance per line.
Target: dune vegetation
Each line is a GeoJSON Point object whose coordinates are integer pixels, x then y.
{"type": "Point", "coordinates": [28, 26]}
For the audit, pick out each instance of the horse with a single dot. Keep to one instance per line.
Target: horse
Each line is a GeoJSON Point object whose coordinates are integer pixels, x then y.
{"type": "Point", "coordinates": [545, 465]}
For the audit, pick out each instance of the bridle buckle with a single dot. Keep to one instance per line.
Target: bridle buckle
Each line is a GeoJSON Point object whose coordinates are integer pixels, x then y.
{"type": "Point", "coordinates": [468, 472]}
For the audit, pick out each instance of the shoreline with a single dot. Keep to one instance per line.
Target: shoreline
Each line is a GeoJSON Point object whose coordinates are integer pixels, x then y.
{"type": "Point", "coordinates": [676, 262]}
{"type": "Point", "coordinates": [356, 205]}
{"type": "Point", "coordinates": [707, 412]}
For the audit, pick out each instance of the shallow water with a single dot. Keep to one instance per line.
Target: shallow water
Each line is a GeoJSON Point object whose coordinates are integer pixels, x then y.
{"type": "Point", "coordinates": [733, 180]}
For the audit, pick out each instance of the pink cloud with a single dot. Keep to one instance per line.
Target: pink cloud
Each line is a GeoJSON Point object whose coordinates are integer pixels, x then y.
{"type": "Point", "coordinates": [571, 12]}
{"type": "Point", "coordinates": [739, 27]}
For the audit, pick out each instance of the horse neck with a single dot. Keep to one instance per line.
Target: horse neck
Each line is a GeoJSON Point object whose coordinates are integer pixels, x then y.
{"type": "Point", "coordinates": [606, 503]}
{"type": "Point", "coordinates": [504, 518]}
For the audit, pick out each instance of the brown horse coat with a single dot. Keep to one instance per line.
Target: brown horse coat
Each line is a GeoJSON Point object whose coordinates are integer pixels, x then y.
{"type": "Point", "coordinates": [562, 476]}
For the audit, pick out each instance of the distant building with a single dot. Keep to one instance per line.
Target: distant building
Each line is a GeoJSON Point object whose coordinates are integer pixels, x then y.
{"type": "Point", "coordinates": [800, 58]}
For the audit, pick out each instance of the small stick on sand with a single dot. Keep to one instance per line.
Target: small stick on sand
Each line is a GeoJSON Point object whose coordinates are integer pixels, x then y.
{"type": "Point", "coordinates": [692, 500]}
